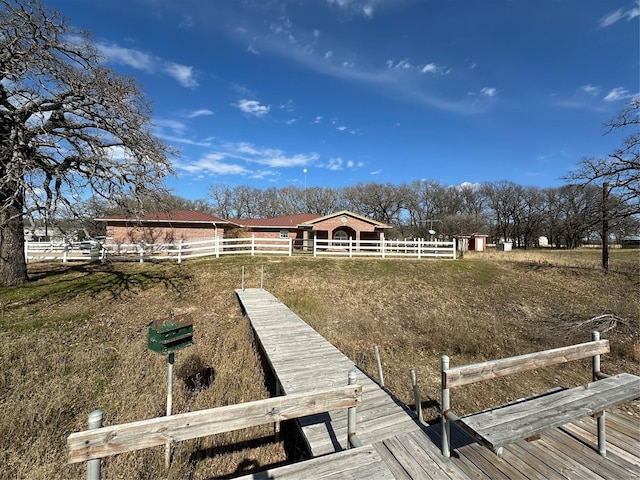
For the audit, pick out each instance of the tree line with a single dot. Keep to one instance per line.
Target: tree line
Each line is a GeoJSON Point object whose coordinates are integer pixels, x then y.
{"type": "Point", "coordinates": [566, 215]}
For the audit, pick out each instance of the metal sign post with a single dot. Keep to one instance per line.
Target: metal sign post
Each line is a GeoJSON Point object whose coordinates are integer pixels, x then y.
{"type": "Point", "coordinates": [167, 337]}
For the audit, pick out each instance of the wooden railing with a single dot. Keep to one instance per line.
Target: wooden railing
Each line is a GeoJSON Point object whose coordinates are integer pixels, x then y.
{"type": "Point", "coordinates": [89, 445]}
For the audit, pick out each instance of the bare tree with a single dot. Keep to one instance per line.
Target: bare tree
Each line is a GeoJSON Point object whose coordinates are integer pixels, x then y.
{"type": "Point", "coordinates": [69, 127]}
{"type": "Point", "coordinates": [621, 169]}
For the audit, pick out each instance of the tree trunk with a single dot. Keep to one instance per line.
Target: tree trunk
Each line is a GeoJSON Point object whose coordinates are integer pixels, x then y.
{"type": "Point", "coordinates": [13, 264]}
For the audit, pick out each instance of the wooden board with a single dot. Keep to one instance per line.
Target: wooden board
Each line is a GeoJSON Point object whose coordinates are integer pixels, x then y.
{"type": "Point", "coordinates": [466, 374]}
{"type": "Point", "coordinates": [357, 463]}
{"type": "Point", "coordinates": [501, 426]}
{"type": "Point", "coordinates": [114, 439]}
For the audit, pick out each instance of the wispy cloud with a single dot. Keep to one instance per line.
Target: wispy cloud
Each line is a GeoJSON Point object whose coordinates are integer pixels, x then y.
{"type": "Point", "coordinates": [618, 93]}
{"type": "Point", "coordinates": [200, 113]}
{"type": "Point", "coordinates": [252, 107]}
{"type": "Point", "coordinates": [591, 90]}
{"type": "Point", "coordinates": [619, 14]}
{"type": "Point", "coordinates": [489, 92]}
{"type": "Point", "coordinates": [148, 63]}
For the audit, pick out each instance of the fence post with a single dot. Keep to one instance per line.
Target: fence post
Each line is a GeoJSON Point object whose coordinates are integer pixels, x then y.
{"type": "Point", "coordinates": [141, 245]}
{"type": "Point", "coordinates": [243, 278]}
{"type": "Point", "coordinates": [65, 252]}
{"type": "Point", "coordinates": [180, 251]}
{"type": "Point", "coordinates": [253, 245]}
{"type": "Point", "coordinates": [217, 246]}
{"type": "Point", "coordinates": [315, 244]}
{"type": "Point", "coordinates": [261, 277]}
{"type": "Point", "coordinates": [93, 466]}
{"type": "Point", "coordinates": [350, 246]}
{"type": "Point", "coordinates": [419, 249]}
{"type": "Point", "coordinates": [445, 406]}
{"type": "Point", "coordinates": [26, 252]}
{"type": "Point", "coordinates": [380, 375]}
{"type": "Point", "coordinates": [103, 254]}
{"type": "Point", "coordinates": [416, 395]}
{"type": "Point", "coordinates": [290, 247]}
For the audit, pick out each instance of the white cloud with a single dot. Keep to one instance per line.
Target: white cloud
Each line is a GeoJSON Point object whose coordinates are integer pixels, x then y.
{"type": "Point", "coordinates": [182, 73]}
{"type": "Point", "coordinates": [376, 172]}
{"type": "Point", "coordinates": [489, 92]}
{"type": "Point", "coordinates": [212, 164]}
{"type": "Point", "coordinates": [328, 55]}
{"type": "Point", "coordinates": [245, 159]}
{"type": "Point", "coordinates": [334, 164]}
{"type": "Point", "coordinates": [148, 63]}
{"type": "Point", "coordinates": [171, 124]}
{"type": "Point", "coordinates": [318, 119]}
{"type": "Point", "coordinates": [252, 107]}
{"type": "Point", "coordinates": [613, 17]}
{"type": "Point", "coordinates": [251, 49]}
{"type": "Point", "coordinates": [590, 89]}
{"type": "Point", "coordinates": [342, 128]}
{"type": "Point", "coordinates": [200, 113]}
{"type": "Point", "coordinates": [429, 68]}
{"type": "Point", "coordinates": [354, 6]}
{"type": "Point", "coordinates": [618, 93]}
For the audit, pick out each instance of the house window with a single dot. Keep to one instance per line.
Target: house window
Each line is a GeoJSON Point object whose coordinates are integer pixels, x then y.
{"type": "Point", "coordinates": [284, 233]}
{"type": "Point", "coordinates": [340, 238]}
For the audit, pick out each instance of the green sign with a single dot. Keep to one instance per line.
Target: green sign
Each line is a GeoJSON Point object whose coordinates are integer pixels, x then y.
{"type": "Point", "coordinates": [171, 335]}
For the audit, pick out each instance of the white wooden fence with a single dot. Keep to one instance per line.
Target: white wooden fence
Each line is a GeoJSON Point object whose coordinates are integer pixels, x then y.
{"type": "Point", "coordinates": [179, 251]}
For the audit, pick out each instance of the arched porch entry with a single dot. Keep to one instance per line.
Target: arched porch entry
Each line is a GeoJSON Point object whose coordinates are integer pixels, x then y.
{"type": "Point", "coordinates": [342, 234]}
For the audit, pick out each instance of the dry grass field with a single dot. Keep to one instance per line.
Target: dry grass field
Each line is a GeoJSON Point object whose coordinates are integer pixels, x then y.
{"type": "Point", "coordinates": [74, 340]}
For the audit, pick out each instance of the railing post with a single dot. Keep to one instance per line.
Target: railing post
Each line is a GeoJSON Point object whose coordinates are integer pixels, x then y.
{"type": "Point", "coordinates": [352, 439]}
{"type": "Point", "coordinates": [217, 246]}
{"type": "Point", "coordinates": [315, 243]}
{"type": "Point", "coordinates": [93, 466]}
{"type": "Point", "coordinates": [379, 363]}
{"type": "Point", "coordinates": [350, 246]}
{"type": "Point", "coordinates": [445, 406]}
{"type": "Point", "coordinates": [180, 251]}
{"type": "Point", "coordinates": [253, 245]}
{"type": "Point", "coordinates": [290, 247]}
{"type": "Point", "coordinates": [141, 245]}
{"type": "Point", "coordinates": [65, 252]}
{"type": "Point", "coordinates": [243, 278]}
{"type": "Point", "coordinates": [419, 250]}
{"type": "Point", "coordinates": [416, 395]}
{"type": "Point", "coordinates": [602, 431]}
{"type": "Point", "coordinates": [261, 277]}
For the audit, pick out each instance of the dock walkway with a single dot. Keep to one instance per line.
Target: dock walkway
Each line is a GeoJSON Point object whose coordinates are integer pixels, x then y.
{"type": "Point", "coordinates": [396, 445]}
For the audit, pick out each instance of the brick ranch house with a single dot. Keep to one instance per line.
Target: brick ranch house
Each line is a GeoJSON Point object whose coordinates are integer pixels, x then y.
{"type": "Point", "coordinates": [187, 225]}
{"type": "Point", "coordinates": [164, 227]}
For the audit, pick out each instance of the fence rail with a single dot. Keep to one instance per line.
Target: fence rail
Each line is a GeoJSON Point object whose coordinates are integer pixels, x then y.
{"type": "Point", "coordinates": [179, 251]}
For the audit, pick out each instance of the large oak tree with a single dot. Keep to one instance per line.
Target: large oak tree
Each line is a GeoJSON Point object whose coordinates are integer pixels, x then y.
{"type": "Point", "coordinates": [69, 127]}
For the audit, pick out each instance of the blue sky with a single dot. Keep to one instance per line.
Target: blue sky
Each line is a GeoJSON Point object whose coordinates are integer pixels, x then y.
{"type": "Point", "coordinates": [255, 92]}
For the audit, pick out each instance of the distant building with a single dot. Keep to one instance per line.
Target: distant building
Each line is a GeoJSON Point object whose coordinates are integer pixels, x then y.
{"type": "Point", "coordinates": [188, 225]}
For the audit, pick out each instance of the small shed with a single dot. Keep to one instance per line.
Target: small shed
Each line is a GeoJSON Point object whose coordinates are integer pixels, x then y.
{"type": "Point", "coordinates": [478, 242]}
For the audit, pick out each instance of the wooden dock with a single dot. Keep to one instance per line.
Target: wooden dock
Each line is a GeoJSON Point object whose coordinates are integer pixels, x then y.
{"type": "Point", "coordinates": [396, 445]}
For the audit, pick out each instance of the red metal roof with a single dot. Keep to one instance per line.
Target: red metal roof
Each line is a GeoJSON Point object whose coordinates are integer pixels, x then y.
{"type": "Point", "coordinates": [184, 216]}
{"type": "Point", "coordinates": [287, 221]}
